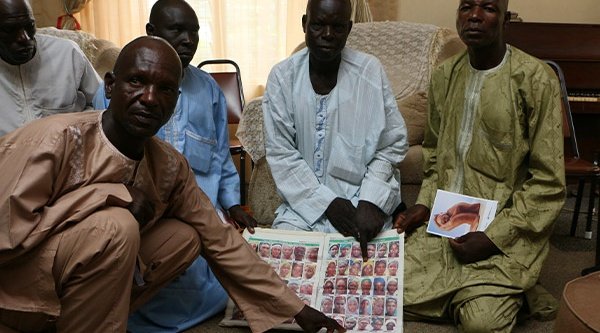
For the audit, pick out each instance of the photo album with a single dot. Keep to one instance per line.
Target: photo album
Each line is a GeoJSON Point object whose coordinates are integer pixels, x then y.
{"type": "Point", "coordinates": [327, 272]}
{"type": "Point", "coordinates": [454, 215]}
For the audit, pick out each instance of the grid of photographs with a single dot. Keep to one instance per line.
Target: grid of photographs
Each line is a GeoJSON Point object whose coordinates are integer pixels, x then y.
{"type": "Point", "coordinates": [327, 272]}
{"type": "Point", "coordinates": [363, 295]}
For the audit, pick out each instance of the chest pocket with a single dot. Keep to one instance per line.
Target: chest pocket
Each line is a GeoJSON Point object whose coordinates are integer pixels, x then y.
{"type": "Point", "coordinates": [491, 151]}
{"type": "Point", "coordinates": [199, 151]}
{"type": "Point", "coordinates": [347, 161]}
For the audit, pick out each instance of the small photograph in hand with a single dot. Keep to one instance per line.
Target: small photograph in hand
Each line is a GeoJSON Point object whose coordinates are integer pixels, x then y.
{"type": "Point", "coordinates": [454, 215]}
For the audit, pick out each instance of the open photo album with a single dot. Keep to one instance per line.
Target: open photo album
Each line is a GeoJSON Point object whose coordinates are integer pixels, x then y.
{"type": "Point", "coordinates": [327, 272]}
{"type": "Point", "coordinates": [454, 215]}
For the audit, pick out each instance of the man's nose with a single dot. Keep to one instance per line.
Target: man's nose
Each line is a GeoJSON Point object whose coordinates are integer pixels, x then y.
{"type": "Point", "coordinates": [328, 32]}
{"type": "Point", "coordinates": [476, 13]}
{"type": "Point", "coordinates": [22, 35]}
{"type": "Point", "coordinates": [149, 95]}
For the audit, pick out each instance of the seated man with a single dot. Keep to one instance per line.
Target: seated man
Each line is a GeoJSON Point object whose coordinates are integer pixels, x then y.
{"type": "Point", "coordinates": [93, 202]}
{"type": "Point", "coordinates": [39, 75]}
{"type": "Point", "coordinates": [198, 129]}
{"type": "Point", "coordinates": [333, 132]}
{"type": "Point", "coordinates": [494, 132]}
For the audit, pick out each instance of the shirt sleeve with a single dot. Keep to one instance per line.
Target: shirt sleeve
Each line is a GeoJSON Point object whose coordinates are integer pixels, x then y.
{"type": "Point", "coordinates": [294, 179]}
{"type": "Point", "coordinates": [381, 184]}
{"type": "Point", "coordinates": [100, 102]}
{"type": "Point", "coordinates": [30, 207]}
{"type": "Point", "coordinates": [522, 229]}
{"type": "Point", "coordinates": [229, 184]}
{"type": "Point", "coordinates": [253, 285]}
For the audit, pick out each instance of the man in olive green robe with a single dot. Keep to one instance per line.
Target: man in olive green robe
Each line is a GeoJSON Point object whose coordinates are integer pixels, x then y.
{"type": "Point", "coordinates": [495, 132]}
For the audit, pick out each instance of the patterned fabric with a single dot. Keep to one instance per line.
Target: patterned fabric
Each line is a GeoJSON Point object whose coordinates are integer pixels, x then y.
{"type": "Point", "coordinates": [515, 156]}
{"type": "Point", "coordinates": [84, 40]}
{"type": "Point", "coordinates": [407, 64]}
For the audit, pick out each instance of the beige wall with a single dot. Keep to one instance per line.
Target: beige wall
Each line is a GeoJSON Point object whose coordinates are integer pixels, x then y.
{"type": "Point", "coordinates": [442, 12]}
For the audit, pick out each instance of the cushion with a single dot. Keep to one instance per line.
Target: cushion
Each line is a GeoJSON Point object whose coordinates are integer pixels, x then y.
{"type": "Point", "coordinates": [411, 168]}
{"type": "Point", "coordinates": [414, 111]}
{"type": "Point", "coordinates": [578, 311]}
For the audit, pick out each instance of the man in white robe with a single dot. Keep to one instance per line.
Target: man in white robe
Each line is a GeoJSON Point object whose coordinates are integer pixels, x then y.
{"type": "Point", "coordinates": [39, 75]}
{"type": "Point", "coordinates": [333, 132]}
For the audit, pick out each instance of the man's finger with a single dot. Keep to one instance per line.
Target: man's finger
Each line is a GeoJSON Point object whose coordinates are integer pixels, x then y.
{"type": "Point", "coordinates": [363, 246]}
{"type": "Point", "coordinates": [334, 325]}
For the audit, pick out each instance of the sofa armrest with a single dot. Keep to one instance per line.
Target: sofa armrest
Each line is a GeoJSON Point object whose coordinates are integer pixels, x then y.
{"type": "Point", "coordinates": [250, 130]}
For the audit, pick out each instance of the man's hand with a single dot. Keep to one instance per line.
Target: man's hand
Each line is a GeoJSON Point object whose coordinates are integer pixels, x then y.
{"type": "Point", "coordinates": [312, 321]}
{"type": "Point", "coordinates": [369, 221]}
{"type": "Point", "coordinates": [241, 218]}
{"type": "Point", "coordinates": [473, 246]}
{"type": "Point", "coordinates": [411, 219]}
{"type": "Point", "coordinates": [341, 214]}
{"type": "Point", "coordinates": [140, 207]}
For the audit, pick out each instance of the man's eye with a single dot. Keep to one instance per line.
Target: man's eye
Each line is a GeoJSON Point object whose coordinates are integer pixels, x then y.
{"type": "Point", "coordinates": [490, 9]}
{"type": "Point", "coordinates": [169, 90]}
{"type": "Point", "coordinates": [339, 28]}
{"type": "Point", "coordinates": [316, 26]}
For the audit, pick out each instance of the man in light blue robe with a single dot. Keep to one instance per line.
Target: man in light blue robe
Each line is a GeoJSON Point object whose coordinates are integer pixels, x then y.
{"type": "Point", "coordinates": [333, 132]}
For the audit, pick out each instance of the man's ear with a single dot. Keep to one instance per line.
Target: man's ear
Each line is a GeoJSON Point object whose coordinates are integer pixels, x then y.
{"type": "Point", "coordinates": [109, 82]}
{"type": "Point", "coordinates": [304, 23]}
{"type": "Point", "coordinates": [150, 29]}
{"type": "Point", "coordinates": [507, 16]}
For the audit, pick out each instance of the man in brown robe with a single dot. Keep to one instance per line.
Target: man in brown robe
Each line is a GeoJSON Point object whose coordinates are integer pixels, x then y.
{"type": "Point", "coordinates": [96, 214]}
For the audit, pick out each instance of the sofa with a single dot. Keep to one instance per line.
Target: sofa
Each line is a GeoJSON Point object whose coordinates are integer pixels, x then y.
{"type": "Point", "coordinates": [100, 52]}
{"type": "Point", "coordinates": [408, 52]}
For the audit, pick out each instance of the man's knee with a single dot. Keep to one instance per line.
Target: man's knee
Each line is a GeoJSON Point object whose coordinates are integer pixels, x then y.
{"type": "Point", "coordinates": [120, 227]}
{"type": "Point", "coordinates": [489, 314]}
{"type": "Point", "coordinates": [172, 241]}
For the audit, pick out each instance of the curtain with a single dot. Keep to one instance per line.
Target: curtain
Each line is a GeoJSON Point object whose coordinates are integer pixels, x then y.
{"type": "Point", "coordinates": [361, 11]}
{"type": "Point", "coordinates": [256, 34]}
{"type": "Point", "coordinates": [116, 20]}
{"type": "Point", "coordinates": [68, 21]}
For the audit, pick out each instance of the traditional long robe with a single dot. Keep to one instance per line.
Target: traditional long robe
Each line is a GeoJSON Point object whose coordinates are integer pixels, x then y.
{"type": "Point", "coordinates": [345, 144]}
{"type": "Point", "coordinates": [60, 169]}
{"type": "Point", "coordinates": [58, 79]}
{"type": "Point", "coordinates": [494, 134]}
{"type": "Point", "coordinates": [197, 129]}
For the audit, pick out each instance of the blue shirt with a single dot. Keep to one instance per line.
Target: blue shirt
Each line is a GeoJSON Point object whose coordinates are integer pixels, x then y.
{"type": "Point", "coordinates": [198, 129]}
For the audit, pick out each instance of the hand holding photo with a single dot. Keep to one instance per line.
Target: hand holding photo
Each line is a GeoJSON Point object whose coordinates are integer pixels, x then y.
{"type": "Point", "coordinates": [454, 215]}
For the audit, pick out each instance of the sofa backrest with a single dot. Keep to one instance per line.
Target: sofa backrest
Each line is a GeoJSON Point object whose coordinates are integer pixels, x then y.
{"type": "Point", "coordinates": [100, 52]}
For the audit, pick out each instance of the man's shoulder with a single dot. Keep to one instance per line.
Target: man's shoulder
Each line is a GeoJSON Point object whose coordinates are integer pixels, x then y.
{"type": "Point", "coordinates": [46, 131]}
{"type": "Point", "coordinates": [527, 63]}
{"type": "Point", "coordinates": [449, 65]}
{"type": "Point", "coordinates": [163, 148]}
{"type": "Point", "coordinates": [196, 78]}
{"type": "Point", "coordinates": [53, 42]}
{"type": "Point", "coordinates": [350, 53]}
